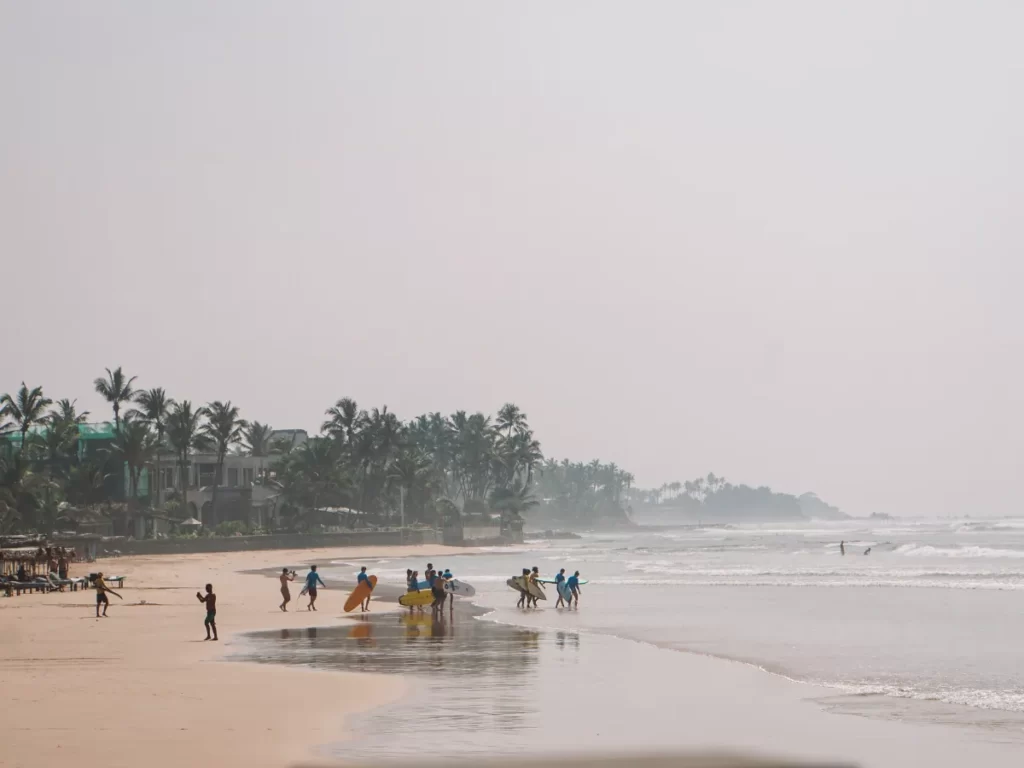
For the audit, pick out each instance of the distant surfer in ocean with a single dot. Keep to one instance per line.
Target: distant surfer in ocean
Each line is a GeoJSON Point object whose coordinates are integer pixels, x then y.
{"type": "Point", "coordinates": [842, 547]}
{"type": "Point", "coordinates": [574, 589]}
{"type": "Point", "coordinates": [867, 551]}
{"type": "Point", "coordinates": [558, 584]}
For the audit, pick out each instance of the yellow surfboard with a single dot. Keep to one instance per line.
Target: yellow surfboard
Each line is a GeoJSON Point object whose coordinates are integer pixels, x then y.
{"type": "Point", "coordinates": [423, 597]}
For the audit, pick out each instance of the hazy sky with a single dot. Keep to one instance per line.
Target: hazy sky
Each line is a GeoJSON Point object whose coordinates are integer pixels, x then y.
{"type": "Point", "coordinates": [778, 241]}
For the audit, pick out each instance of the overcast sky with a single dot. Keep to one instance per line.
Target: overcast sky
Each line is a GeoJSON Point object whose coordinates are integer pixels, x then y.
{"type": "Point", "coordinates": [778, 241]}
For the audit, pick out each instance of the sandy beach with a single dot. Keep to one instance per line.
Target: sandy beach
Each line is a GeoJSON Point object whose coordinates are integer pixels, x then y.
{"type": "Point", "coordinates": [142, 687]}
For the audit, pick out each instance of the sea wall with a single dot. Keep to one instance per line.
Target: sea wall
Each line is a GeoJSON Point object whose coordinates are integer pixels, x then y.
{"type": "Point", "coordinates": [273, 541]}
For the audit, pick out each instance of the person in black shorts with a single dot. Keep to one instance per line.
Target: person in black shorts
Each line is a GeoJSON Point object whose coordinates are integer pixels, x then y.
{"type": "Point", "coordinates": [101, 594]}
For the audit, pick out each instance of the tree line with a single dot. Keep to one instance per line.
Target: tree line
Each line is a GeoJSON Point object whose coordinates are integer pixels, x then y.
{"type": "Point", "coordinates": [714, 498]}
{"type": "Point", "coordinates": [367, 463]}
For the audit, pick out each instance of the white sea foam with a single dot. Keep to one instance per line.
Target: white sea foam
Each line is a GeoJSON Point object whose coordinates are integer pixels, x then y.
{"type": "Point", "coordinates": [927, 550]}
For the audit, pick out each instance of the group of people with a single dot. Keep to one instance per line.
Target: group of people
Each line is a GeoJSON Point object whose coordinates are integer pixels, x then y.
{"type": "Point", "coordinates": [842, 549]}
{"type": "Point", "coordinates": [435, 579]}
{"type": "Point", "coordinates": [313, 580]}
{"type": "Point", "coordinates": [531, 576]}
{"type": "Point", "coordinates": [58, 565]}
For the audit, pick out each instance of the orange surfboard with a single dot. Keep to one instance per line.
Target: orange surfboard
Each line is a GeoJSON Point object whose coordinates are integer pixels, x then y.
{"type": "Point", "coordinates": [359, 594]}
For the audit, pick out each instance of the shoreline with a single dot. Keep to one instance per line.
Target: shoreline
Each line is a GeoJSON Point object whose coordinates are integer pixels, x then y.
{"type": "Point", "coordinates": [674, 699]}
{"type": "Point", "coordinates": [138, 686]}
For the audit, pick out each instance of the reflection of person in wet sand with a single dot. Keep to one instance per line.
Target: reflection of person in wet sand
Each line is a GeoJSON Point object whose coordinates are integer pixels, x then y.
{"type": "Point", "coordinates": [286, 593]}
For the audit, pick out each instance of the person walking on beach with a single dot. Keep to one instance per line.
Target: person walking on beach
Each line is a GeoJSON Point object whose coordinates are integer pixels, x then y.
{"type": "Point", "coordinates": [101, 594]}
{"type": "Point", "coordinates": [525, 594]}
{"type": "Point", "coordinates": [210, 600]}
{"type": "Point", "coordinates": [359, 580]}
{"type": "Point", "coordinates": [286, 593]}
{"type": "Point", "coordinates": [535, 585]}
{"type": "Point", "coordinates": [559, 578]}
{"type": "Point", "coordinates": [414, 586]}
{"type": "Point", "coordinates": [574, 589]}
{"type": "Point", "coordinates": [312, 579]}
{"type": "Point", "coordinates": [437, 588]}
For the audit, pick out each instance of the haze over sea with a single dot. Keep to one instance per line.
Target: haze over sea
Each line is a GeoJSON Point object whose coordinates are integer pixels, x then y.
{"type": "Point", "coordinates": [925, 628]}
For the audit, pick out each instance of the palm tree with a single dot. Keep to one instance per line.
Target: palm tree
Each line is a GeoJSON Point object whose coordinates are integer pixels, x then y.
{"type": "Point", "coordinates": [223, 429]}
{"type": "Point", "coordinates": [344, 421]}
{"type": "Point", "coordinates": [185, 434]}
{"type": "Point", "coordinates": [511, 503]}
{"type": "Point", "coordinates": [257, 439]}
{"type": "Point", "coordinates": [115, 389]}
{"type": "Point", "coordinates": [135, 444]}
{"type": "Point", "coordinates": [155, 406]}
{"type": "Point", "coordinates": [66, 411]}
{"type": "Point", "coordinates": [510, 417]}
{"type": "Point", "coordinates": [27, 408]}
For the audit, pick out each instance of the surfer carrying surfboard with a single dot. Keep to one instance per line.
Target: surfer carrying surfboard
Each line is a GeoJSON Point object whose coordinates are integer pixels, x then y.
{"type": "Point", "coordinates": [574, 589]}
{"type": "Point", "coordinates": [525, 594]}
{"type": "Point", "coordinates": [359, 580]}
{"type": "Point", "coordinates": [559, 578]}
{"type": "Point", "coordinates": [534, 574]}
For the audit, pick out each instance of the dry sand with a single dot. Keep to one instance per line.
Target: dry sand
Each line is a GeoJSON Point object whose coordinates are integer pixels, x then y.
{"type": "Point", "coordinates": [141, 687]}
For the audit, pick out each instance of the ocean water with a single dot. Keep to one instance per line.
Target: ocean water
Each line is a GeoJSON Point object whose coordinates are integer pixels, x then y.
{"type": "Point", "coordinates": [935, 612]}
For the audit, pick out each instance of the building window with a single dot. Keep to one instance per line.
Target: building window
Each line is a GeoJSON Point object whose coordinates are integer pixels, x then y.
{"type": "Point", "coordinates": [207, 475]}
{"type": "Point", "coordinates": [168, 477]}
{"type": "Point", "coordinates": [247, 476]}
{"type": "Point", "coordinates": [233, 477]}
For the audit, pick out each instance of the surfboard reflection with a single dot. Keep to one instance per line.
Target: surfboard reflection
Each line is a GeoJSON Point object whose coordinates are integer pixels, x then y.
{"type": "Point", "coordinates": [501, 659]}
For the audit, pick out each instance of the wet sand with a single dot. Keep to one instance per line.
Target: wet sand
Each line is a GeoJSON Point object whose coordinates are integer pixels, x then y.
{"type": "Point", "coordinates": [479, 688]}
{"type": "Point", "coordinates": [141, 687]}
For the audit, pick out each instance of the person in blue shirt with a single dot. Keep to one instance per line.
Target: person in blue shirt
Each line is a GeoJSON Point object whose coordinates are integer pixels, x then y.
{"type": "Point", "coordinates": [312, 579]}
{"type": "Point", "coordinates": [559, 578]}
{"type": "Point", "coordinates": [447, 574]}
{"type": "Point", "coordinates": [363, 577]}
{"type": "Point", "coordinates": [574, 588]}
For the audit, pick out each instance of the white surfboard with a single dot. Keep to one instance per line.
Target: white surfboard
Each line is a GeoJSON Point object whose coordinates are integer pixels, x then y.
{"type": "Point", "coordinates": [460, 588]}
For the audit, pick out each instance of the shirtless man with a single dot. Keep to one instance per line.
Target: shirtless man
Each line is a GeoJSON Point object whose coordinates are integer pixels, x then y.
{"type": "Point", "coordinates": [101, 594]}
{"type": "Point", "coordinates": [210, 600]}
{"type": "Point", "coordinates": [286, 593]}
